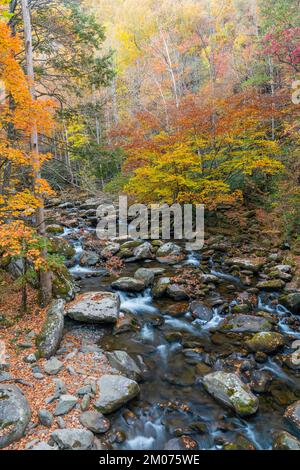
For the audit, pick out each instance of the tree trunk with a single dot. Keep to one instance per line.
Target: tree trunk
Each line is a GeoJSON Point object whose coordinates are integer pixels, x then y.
{"type": "Point", "coordinates": [45, 277]}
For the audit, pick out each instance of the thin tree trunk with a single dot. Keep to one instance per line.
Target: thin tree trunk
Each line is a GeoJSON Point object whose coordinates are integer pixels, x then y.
{"type": "Point", "coordinates": [45, 277]}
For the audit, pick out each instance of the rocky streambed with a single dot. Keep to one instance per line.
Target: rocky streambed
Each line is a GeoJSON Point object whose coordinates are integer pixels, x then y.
{"type": "Point", "coordinates": [200, 348]}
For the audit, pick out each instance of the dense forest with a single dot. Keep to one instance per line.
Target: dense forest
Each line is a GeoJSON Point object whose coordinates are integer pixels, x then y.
{"type": "Point", "coordinates": [136, 343]}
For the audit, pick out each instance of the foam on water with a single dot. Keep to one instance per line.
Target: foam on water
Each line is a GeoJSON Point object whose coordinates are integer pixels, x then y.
{"type": "Point", "coordinates": [137, 303]}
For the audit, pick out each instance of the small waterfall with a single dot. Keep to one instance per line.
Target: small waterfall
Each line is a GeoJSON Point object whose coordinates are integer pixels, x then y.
{"type": "Point", "coordinates": [137, 303]}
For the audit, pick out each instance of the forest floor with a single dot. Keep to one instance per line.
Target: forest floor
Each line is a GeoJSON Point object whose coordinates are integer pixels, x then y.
{"type": "Point", "coordinates": [18, 337]}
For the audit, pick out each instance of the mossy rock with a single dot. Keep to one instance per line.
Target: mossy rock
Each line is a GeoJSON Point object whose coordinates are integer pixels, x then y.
{"type": "Point", "coordinates": [55, 229]}
{"type": "Point", "coordinates": [63, 285]}
{"type": "Point", "coordinates": [62, 247]}
{"type": "Point", "coordinates": [267, 341]}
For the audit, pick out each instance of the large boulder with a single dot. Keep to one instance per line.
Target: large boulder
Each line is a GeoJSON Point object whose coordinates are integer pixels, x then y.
{"type": "Point", "coordinates": [249, 264]}
{"type": "Point", "coordinates": [100, 307]}
{"type": "Point", "coordinates": [169, 253]}
{"type": "Point", "coordinates": [73, 439]}
{"type": "Point", "coordinates": [128, 284]}
{"type": "Point", "coordinates": [145, 275]}
{"type": "Point", "coordinates": [121, 361]}
{"type": "Point", "coordinates": [292, 302]}
{"type": "Point", "coordinates": [49, 339]}
{"type": "Point", "coordinates": [228, 389]}
{"type": "Point", "coordinates": [201, 311]}
{"type": "Point", "coordinates": [244, 324]}
{"type": "Point", "coordinates": [144, 251]}
{"type": "Point", "coordinates": [266, 341]}
{"type": "Point", "coordinates": [15, 415]}
{"type": "Point", "coordinates": [292, 415]}
{"type": "Point", "coordinates": [115, 391]}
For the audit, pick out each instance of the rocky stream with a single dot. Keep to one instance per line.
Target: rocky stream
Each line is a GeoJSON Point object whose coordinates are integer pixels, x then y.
{"type": "Point", "coordinates": [202, 346]}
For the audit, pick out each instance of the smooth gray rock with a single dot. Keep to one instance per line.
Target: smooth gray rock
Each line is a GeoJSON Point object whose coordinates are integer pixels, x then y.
{"type": "Point", "coordinates": [53, 366]}
{"type": "Point", "coordinates": [144, 251]}
{"type": "Point", "coordinates": [249, 264]}
{"type": "Point", "coordinates": [244, 324]}
{"type": "Point", "coordinates": [145, 275]}
{"type": "Point", "coordinates": [66, 403]}
{"type": "Point", "coordinates": [73, 439]}
{"type": "Point", "coordinates": [115, 391]}
{"type": "Point", "coordinates": [169, 253]}
{"type": "Point", "coordinates": [99, 307]}
{"type": "Point", "coordinates": [89, 258]}
{"type": "Point", "coordinates": [95, 422]}
{"type": "Point", "coordinates": [129, 284]}
{"type": "Point", "coordinates": [49, 339]}
{"type": "Point", "coordinates": [15, 414]}
{"type": "Point", "coordinates": [228, 389]}
{"type": "Point", "coordinates": [121, 361]}
{"type": "Point", "coordinates": [201, 311]}
{"type": "Point", "coordinates": [45, 418]}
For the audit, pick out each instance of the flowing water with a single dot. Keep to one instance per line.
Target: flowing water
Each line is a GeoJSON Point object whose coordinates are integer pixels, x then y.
{"type": "Point", "coordinates": [172, 401]}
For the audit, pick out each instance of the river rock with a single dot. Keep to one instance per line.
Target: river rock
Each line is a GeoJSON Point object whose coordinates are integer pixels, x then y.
{"type": "Point", "coordinates": [244, 324]}
{"type": "Point", "coordinates": [66, 403]}
{"type": "Point", "coordinates": [128, 284]}
{"type": "Point", "coordinates": [232, 392]}
{"type": "Point", "coordinates": [15, 414]}
{"type": "Point", "coordinates": [145, 275]}
{"type": "Point", "coordinates": [144, 251]}
{"type": "Point", "coordinates": [110, 250]}
{"type": "Point", "coordinates": [292, 302]}
{"type": "Point", "coordinates": [271, 285]}
{"type": "Point", "coordinates": [63, 286]}
{"type": "Point", "coordinates": [249, 264]}
{"type": "Point", "coordinates": [73, 439]}
{"type": "Point", "coordinates": [115, 391]}
{"type": "Point", "coordinates": [53, 366]}
{"type": "Point", "coordinates": [62, 247]}
{"type": "Point", "coordinates": [55, 229]}
{"type": "Point", "coordinates": [100, 307]}
{"type": "Point", "coordinates": [177, 292]}
{"type": "Point", "coordinates": [266, 341]}
{"type": "Point", "coordinates": [89, 258]}
{"type": "Point", "coordinates": [285, 441]}
{"type": "Point", "coordinates": [95, 422]}
{"type": "Point", "coordinates": [121, 361]}
{"type": "Point", "coordinates": [292, 414]}
{"type": "Point", "coordinates": [169, 253]}
{"type": "Point", "coordinates": [201, 311]}
{"type": "Point", "coordinates": [160, 287]}
{"type": "Point", "coordinates": [49, 339]}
